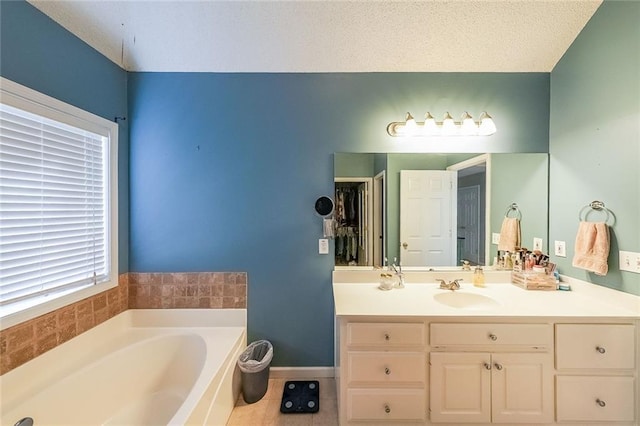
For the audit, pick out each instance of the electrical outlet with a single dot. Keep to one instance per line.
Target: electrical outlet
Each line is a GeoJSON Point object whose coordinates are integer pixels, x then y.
{"type": "Point", "coordinates": [630, 261]}
{"type": "Point", "coordinates": [323, 246]}
{"type": "Point", "coordinates": [560, 248]}
{"type": "Point", "coordinates": [495, 238]}
{"type": "Point", "coordinates": [537, 243]}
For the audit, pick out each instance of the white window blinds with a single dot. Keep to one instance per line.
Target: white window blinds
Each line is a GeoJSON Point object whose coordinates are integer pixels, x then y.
{"type": "Point", "coordinates": [54, 224]}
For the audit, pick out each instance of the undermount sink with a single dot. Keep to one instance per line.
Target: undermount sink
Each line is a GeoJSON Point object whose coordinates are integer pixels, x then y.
{"type": "Point", "coordinates": [462, 300]}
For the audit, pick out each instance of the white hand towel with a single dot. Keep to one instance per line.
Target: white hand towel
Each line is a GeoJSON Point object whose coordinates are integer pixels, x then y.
{"type": "Point", "coordinates": [509, 234]}
{"type": "Point", "coordinates": [592, 247]}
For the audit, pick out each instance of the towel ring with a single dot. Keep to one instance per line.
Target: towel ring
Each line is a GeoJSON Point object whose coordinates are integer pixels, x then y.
{"type": "Point", "coordinates": [513, 208]}
{"type": "Point", "coordinates": [597, 206]}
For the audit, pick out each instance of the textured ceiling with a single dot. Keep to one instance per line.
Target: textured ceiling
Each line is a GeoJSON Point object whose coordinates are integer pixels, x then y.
{"type": "Point", "coordinates": [327, 36]}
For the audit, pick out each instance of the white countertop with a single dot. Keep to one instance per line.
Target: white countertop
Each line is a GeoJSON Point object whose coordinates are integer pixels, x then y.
{"type": "Point", "coordinates": [417, 299]}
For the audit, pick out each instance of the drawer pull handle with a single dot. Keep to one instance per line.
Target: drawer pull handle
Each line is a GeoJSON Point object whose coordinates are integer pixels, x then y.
{"type": "Point", "coordinates": [498, 366]}
{"type": "Point", "coordinates": [387, 371]}
{"type": "Point", "coordinates": [387, 337]}
{"type": "Point", "coordinates": [387, 409]}
{"type": "Point", "coordinates": [487, 366]}
{"type": "Point", "coordinates": [600, 402]}
{"type": "Point", "coordinates": [493, 337]}
{"type": "Point", "coordinates": [600, 349]}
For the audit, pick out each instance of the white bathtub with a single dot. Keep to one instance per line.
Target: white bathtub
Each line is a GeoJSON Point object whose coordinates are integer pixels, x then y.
{"type": "Point", "coordinates": [142, 367]}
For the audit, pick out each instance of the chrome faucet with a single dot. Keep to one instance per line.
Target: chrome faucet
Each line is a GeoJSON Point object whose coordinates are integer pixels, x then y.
{"type": "Point", "coordinates": [398, 271]}
{"type": "Point", "coordinates": [453, 285]}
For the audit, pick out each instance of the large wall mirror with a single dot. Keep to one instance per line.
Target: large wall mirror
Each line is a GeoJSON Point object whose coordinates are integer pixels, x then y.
{"type": "Point", "coordinates": [435, 210]}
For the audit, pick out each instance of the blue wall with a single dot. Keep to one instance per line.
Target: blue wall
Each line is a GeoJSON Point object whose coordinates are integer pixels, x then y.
{"type": "Point", "coordinates": [225, 170]}
{"type": "Point", "coordinates": [595, 137]}
{"type": "Point", "coordinates": [40, 54]}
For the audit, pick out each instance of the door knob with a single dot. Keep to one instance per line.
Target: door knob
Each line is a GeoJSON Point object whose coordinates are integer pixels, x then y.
{"type": "Point", "coordinates": [405, 245]}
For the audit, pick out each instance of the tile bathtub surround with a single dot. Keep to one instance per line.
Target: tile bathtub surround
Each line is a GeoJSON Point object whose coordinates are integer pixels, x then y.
{"type": "Point", "coordinates": [217, 290]}
{"type": "Point", "coordinates": [25, 341]}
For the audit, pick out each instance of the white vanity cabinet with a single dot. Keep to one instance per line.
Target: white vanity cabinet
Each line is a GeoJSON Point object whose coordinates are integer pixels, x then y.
{"type": "Point", "coordinates": [534, 358]}
{"type": "Point", "coordinates": [383, 372]}
{"type": "Point", "coordinates": [491, 373]}
{"type": "Point", "coordinates": [596, 372]}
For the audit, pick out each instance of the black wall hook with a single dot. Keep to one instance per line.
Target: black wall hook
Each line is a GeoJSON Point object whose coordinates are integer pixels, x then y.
{"type": "Point", "coordinates": [118, 119]}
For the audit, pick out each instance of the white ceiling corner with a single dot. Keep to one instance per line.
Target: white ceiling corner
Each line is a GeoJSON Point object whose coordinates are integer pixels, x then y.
{"type": "Point", "coordinates": [326, 36]}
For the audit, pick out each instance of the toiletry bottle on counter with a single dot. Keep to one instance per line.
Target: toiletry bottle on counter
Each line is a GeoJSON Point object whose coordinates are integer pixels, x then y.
{"type": "Point", "coordinates": [478, 277]}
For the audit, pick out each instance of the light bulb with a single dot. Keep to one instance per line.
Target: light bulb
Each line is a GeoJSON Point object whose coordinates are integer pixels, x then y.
{"type": "Point", "coordinates": [468, 125]}
{"type": "Point", "coordinates": [430, 126]}
{"type": "Point", "coordinates": [487, 126]}
{"type": "Point", "coordinates": [410, 125]}
{"type": "Point", "coordinates": [448, 125]}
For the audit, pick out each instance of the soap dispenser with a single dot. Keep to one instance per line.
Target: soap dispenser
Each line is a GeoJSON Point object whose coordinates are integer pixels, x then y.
{"type": "Point", "coordinates": [478, 277]}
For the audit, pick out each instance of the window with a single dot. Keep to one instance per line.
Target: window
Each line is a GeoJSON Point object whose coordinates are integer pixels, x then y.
{"type": "Point", "coordinates": [58, 187]}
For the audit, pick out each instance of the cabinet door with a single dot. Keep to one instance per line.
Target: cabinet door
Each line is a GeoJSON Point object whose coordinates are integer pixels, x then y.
{"type": "Point", "coordinates": [522, 388]}
{"type": "Point", "coordinates": [460, 389]}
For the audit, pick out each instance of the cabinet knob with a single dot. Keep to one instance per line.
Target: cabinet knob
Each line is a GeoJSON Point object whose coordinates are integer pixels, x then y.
{"type": "Point", "coordinates": [387, 371]}
{"type": "Point", "coordinates": [498, 366]}
{"type": "Point", "coordinates": [600, 349]}
{"type": "Point", "coordinates": [600, 402]}
{"type": "Point", "coordinates": [387, 337]}
{"type": "Point", "coordinates": [487, 366]}
{"type": "Point", "coordinates": [493, 337]}
{"type": "Point", "coordinates": [387, 409]}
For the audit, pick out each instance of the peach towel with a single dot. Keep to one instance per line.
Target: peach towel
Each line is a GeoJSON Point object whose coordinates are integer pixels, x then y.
{"type": "Point", "coordinates": [592, 247]}
{"type": "Point", "coordinates": [509, 234]}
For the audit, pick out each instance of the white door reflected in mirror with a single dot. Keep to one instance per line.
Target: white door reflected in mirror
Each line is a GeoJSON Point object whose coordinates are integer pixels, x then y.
{"type": "Point", "coordinates": [427, 217]}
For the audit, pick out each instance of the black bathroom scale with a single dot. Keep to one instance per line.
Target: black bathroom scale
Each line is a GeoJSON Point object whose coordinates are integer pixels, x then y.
{"type": "Point", "coordinates": [300, 396]}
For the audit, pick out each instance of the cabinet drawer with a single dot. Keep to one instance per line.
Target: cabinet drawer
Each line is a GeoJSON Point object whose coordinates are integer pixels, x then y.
{"type": "Point", "coordinates": [406, 368]}
{"type": "Point", "coordinates": [386, 334]}
{"type": "Point", "coordinates": [386, 404]}
{"type": "Point", "coordinates": [592, 399]}
{"type": "Point", "coordinates": [595, 346]}
{"type": "Point", "coordinates": [536, 335]}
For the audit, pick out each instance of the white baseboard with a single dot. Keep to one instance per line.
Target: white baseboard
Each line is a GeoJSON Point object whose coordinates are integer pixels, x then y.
{"type": "Point", "coordinates": [301, 372]}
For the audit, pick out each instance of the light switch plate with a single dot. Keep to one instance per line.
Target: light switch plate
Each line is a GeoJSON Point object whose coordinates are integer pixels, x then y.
{"type": "Point", "coordinates": [537, 243]}
{"type": "Point", "coordinates": [495, 238]}
{"type": "Point", "coordinates": [323, 246]}
{"type": "Point", "coordinates": [630, 261]}
{"type": "Point", "coordinates": [560, 248]}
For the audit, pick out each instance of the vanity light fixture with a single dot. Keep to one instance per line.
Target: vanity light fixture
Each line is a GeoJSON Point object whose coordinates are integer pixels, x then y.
{"type": "Point", "coordinates": [447, 127]}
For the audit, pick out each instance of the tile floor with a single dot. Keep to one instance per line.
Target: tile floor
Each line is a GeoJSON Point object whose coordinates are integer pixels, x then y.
{"type": "Point", "coordinates": [266, 412]}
